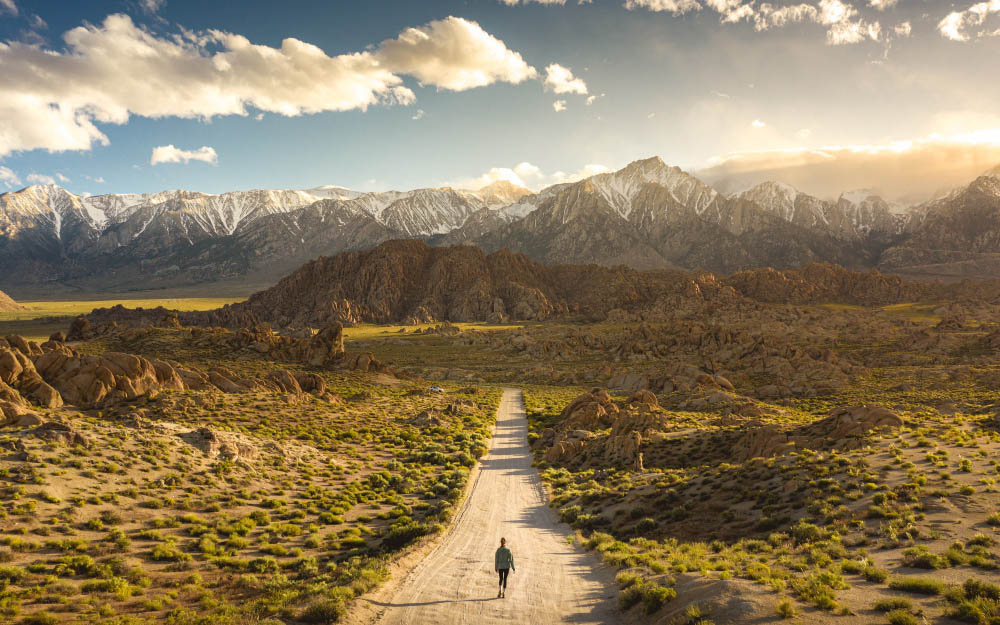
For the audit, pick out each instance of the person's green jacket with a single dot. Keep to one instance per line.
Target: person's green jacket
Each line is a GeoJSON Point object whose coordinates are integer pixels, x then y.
{"type": "Point", "coordinates": [504, 559]}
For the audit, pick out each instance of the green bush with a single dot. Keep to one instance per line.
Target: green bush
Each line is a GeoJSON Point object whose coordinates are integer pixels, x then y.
{"type": "Point", "coordinates": [973, 588]}
{"type": "Point", "coordinates": [13, 574]}
{"type": "Point", "coordinates": [168, 552]}
{"type": "Point", "coordinates": [651, 594]}
{"type": "Point", "coordinates": [403, 534]}
{"type": "Point", "coordinates": [920, 558]}
{"type": "Point", "coordinates": [646, 525]}
{"type": "Point", "coordinates": [918, 585]}
{"type": "Point", "coordinates": [329, 609]}
{"type": "Point", "coordinates": [901, 617]}
{"type": "Point", "coordinates": [786, 609]}
{"type": "Point", "coordinates": [896, 603]}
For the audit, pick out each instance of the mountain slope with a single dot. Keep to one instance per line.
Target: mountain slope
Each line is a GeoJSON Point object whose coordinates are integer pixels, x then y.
{"type": "Point", "coordinates": [959, 235]}
{"type": "Point", "coordinates": [7, 304]}
{"type": "Point", "coordinates": [646, 215]}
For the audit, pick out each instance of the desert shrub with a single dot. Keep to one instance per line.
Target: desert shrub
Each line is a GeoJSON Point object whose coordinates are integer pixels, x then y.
{"type": "Point", "coordinates": [651, 594]}
{"type": "Point", "coordinates": [40, 618]}
{"type": "Point", "coordinates": [400, 535]}
{"type": "Point", "coordinates": [918, 585]}
{"type": "Point", "coordinates": [76, 565]}
{"type": "Point", "coordinates": [901, 617]}
{"type": "Point", "coordinates": [646, 525]}
{"type": "Point", "coordinates": [117, 585]}
{"type": "Point", "coordinates": [329, 609]}
{"type": "Point", "coordinates": [973, 588]}
{"type": "Point", "coordinates": [875, 574]}
{"type": "Point", "coordinates": [12, 574]}
{"type": "Point", "coordinates": [169, 552]}
{"type": "Point", "coordinates": [569, 514]}
{"type": "Point", "coordinates": [803, 532]}
{"type": "Point", "coordinates": [786, 609]}
{"type": "Point", "coordinates": [919, 557]}
{"type": "Point", "coordinates": [896, 603]}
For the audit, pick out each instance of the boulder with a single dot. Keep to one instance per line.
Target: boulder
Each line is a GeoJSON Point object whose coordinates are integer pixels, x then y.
{"type": "Point", "coordinates": [79, 330]}
{"type": "Point", "coordinates": [643, 397]}
{"type": "Point", "coordinates": [16, 415]}
{"type": "Point", "coordinates": [59, 432]}
{"type": "Point", "coordinates": [311, 383]}
{"type": "Point", "coordinates": [568, 445]}
{"type": "Point", "coordinates": [285, 381]}
{"type": "Point", "coordinates": [857, 421]}
{"type": "Point", "coordinates": [224, 383]}
{"type": "Point", "coordinates": [326, 346]}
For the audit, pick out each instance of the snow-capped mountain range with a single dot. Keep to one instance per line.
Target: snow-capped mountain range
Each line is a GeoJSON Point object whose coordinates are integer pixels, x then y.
{"type": "Point", "coordinates": [646, 214]}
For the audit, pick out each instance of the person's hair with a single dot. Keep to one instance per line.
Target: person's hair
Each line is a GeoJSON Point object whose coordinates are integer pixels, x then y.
{"type": "Point", "coordinates": [503, 540]}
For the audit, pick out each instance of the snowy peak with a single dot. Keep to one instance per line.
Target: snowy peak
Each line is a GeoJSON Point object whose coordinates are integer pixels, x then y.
{"type": "Point", "coordinates": [776, 197]}
{"type": "Point", "coordinates": [621, 187]}
{"type": "Point", "coordinates": [334, 192]}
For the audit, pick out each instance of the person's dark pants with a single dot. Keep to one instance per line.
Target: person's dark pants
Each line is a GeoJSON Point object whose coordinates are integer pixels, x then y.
{"type": "Point", "coordinates": [503, 577]}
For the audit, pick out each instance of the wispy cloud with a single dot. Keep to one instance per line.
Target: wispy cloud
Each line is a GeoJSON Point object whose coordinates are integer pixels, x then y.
{"type": "Point", "coordinates": [152, 6]}
{"type": "Point", "coordinates": [559, 106]}
{"type": "Point", "coordinates": [8, 178]}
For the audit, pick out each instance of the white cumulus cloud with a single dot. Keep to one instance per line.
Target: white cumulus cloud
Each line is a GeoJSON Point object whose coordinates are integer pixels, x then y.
{"type": "Point", "coordinates": [559, 106]}
{"type": "Point", "coordinates": [527, 175]}
{"type": "Point", "coordinates": [54, 99]}
{"type": "Point", "coordinates": [8, 6]}
{"type": "Point", "coordinates": [882, 5]}
{"type": "Point", "coordinates": [561, 80]}
{"type": "Point", "coordinates": [454, 54]}
{"type": "Point", "coordinates": [8, 177]}
{"type": "Point", "coordinates": [955, 25]}
{"type": "Point", "coordinates": [171, 154]}
{"type": "Point", "coordinates": [677, 7]}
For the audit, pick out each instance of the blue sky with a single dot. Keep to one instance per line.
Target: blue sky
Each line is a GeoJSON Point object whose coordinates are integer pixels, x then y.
{"type": "Point", "coordinates": [729, 83]}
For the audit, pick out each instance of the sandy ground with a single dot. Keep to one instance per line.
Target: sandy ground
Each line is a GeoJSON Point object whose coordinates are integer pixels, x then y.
{"type": "Point", "coordinates": [554, 582]}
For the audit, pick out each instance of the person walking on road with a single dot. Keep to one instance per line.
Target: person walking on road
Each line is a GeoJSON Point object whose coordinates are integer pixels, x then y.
{"type": "Point", "coordinates": [503, 563]}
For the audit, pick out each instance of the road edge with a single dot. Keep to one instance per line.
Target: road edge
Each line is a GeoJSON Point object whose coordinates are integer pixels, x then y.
{"type": "Point", "coordinates": [364, 609]}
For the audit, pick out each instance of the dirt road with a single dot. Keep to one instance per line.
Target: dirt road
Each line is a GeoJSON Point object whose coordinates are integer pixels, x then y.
{"type": "Point", "coordinates": [553, 583]}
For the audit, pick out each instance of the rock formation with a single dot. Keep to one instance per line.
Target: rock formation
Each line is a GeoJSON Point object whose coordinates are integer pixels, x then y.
{"type": "Point", "coordinates": [7, 304]}
{"type": "Point", "coordinates": [842, 428]}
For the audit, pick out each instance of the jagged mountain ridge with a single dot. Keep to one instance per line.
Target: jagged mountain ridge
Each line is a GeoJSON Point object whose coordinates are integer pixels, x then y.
{"type": "Point", "coordinates": [409, 281]}
{"type": "Point", "coordinates": [646, 215]}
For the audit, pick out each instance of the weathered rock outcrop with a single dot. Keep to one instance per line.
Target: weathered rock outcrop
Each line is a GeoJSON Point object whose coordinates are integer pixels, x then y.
{"type": "Point", "coordinates": [842, 428]}
{"type": "Point", "coordinates": [111, 377]}
{"type": "Point", "coordinates": [17, 371]}
{"type": "Point", "coordinates": [7, 304]}
{"type": "Point", "coordinates": [574, 441]}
